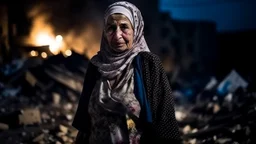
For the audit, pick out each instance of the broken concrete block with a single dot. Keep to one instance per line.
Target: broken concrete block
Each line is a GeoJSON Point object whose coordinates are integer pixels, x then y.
{"type": "Point", "coordinates": [57, 142]}
{"type": "Point", "coordinates": [30, 116]}
{"type": "Point", "coordinates": [70, 141]}
{"type": "Point", "coordinates": [30, 78]}
{"type": "Point", "coordinates": [60, 134]}
{"type": "Point", "coordinates": [224, 140]}
{"type": "Point", "coordinates": [69, 117]}
{"type": "Point", "coordinates": [56, 98]}
{"type": "Point", "coordinates": [4, 126]}
{"type": "Point", "coordinates": [68, 106]}
{"type": "Point", "coordinates": [186, 129]}
{"type": "Point", "coordinates": [45, 116]}
{"type": "Point", "coordinates": [74, 133]}
{"type": "Point", "coordinates": [180, 115]}
{"type": "Point", "coordinates": [64, 138]}
{"type": "Point", "coordinates": [46, 131]}
{"type": "Point", "coordinates": [232, 82]}
{"type": "Point", "coordinates": [192, 141]}
{"type": "Point", "coordinates": [194, 130]}
{"type": "Point", "coordinates": [63, 129]}
{"type": "Point", "coordinates": [39, 138]}
{"type": "Point", "coordinates": [216, 108]}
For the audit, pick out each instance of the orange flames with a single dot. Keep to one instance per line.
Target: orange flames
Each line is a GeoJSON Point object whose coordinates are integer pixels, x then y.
{"type": "Point", "coordinates": [87, 42]}
{"type": "Point", "coordinates": [42, 33]}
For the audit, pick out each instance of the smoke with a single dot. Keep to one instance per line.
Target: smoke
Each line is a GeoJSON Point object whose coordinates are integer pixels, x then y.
{"type": "Point", "coordinates": [78, 21]}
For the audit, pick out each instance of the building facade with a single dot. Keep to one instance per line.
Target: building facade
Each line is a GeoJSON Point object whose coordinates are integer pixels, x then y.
{"type": "Point", "coordinates": [188, 43]}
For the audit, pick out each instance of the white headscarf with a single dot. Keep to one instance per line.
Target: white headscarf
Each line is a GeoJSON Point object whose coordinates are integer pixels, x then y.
{"type": "Point", "coordinates": [112, 64]}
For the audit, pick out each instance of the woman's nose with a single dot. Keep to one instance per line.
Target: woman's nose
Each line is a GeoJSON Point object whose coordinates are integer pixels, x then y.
{"type": "Point", "coordinates": [118, 33]}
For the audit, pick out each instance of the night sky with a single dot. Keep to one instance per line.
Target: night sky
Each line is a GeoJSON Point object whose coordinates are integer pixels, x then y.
{"type": "Point", "coordinates": [230, 15]}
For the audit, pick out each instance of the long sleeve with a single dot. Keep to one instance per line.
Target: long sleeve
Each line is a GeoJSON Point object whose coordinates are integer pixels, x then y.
{"type": "Point", "coordinates": [164, 127]}
{"type": "Point", "coordinates": [81, 138]}
{"type": "Point", "coordinates": [82, 120]}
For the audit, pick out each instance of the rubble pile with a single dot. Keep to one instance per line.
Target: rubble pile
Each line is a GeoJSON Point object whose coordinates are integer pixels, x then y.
{"type": "Point", "coordinates": [222, 113]}
{"type": "Point", "coordinates": [38, 99]}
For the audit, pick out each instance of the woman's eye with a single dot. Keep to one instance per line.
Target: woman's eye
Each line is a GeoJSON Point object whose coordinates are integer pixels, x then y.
{"type": "Point", "coordinates": [124, 27]}
{"type": "Point", "coordinates": [111, 29]}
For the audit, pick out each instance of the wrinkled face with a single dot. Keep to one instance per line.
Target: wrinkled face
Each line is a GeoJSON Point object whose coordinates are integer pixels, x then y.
{"type": "Point", "coordinates": [119, 33]}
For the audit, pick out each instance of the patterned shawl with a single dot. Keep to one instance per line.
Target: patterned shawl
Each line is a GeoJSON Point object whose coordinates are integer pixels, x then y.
{"type": "Point", "coordinates": [112, 64]}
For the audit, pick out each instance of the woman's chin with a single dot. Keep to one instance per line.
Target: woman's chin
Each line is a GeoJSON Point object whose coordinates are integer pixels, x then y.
{"type": "Point", "coordinates": [120, 49]}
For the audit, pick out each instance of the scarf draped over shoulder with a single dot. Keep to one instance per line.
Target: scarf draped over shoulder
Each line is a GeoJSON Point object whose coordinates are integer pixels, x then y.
{"type": "Point", "coordinates": [112, 64]}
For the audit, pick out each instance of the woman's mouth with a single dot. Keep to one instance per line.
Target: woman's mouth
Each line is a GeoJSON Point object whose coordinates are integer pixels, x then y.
{"type": "Point", "coordinates": [119, 44]}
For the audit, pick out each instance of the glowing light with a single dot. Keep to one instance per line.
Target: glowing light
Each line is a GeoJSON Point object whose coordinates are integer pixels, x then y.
{"type": "Point", "coordinates": [68, 52]}
{"type": "Point", "coordinates": [55, 45]}
{"type": "Point", "coordinates": [44, 55]}
{"type": "Point", "coordinates": [33, 53]}
{"type": "Point", "coordinates": [59, 38]}
{"type": "Point", "coordinates": [43, 39]}
{"type": "Point", "coordinates": [47, 39]}
{"type": "Point", "coordinates": [54, 48]}
{"type": "Point", "coordinates": [86, 42]}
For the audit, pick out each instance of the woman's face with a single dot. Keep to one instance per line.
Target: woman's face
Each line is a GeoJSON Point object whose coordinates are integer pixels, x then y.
{"type": "Point", "coordinates": [119, 32]}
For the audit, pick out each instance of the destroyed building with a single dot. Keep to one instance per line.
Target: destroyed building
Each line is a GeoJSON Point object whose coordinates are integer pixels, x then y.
{"type": "Point", "coordinates": [40, 88]}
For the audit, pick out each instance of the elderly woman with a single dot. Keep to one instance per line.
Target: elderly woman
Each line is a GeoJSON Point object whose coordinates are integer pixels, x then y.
{"type": "Point", "coordinates": [126, 97]}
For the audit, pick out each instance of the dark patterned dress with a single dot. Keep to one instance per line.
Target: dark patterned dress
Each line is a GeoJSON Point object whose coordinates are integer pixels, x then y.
{"type": "Point", "coordinates": [164, 128]}
{"type": "Point", "coordinates": [111, 128]}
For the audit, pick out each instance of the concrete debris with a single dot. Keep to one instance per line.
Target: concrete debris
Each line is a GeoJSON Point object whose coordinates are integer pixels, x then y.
{"type": "Point", "coordinates": [39, 138]}
{"type": "Point", "coordinates": [4, 126]}
{"type": "Point", "coordinates": [63, 129]}
{"type": "Point", "coordinates": [30, 116]}
{"type": "Point", "coordinates": [38, 101]}
{"type": "Point", "coordinates": [56, 98]}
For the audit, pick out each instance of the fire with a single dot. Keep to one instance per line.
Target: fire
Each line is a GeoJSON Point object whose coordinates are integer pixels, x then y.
{"type": "Point", "coordinates": [43, 39]}
{"type": "Point", "coordinates": [55, 44]}
{"type": "Point", "coordinates": [86, 41]}
{"type": "Point", "coordinates": [59, 38]}
{"type": "Point", "coordinates": [42, 33]}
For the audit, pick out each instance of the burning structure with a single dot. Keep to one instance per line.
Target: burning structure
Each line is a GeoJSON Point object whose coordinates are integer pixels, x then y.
{"type": "Point", "coordinates": [36, 25]}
